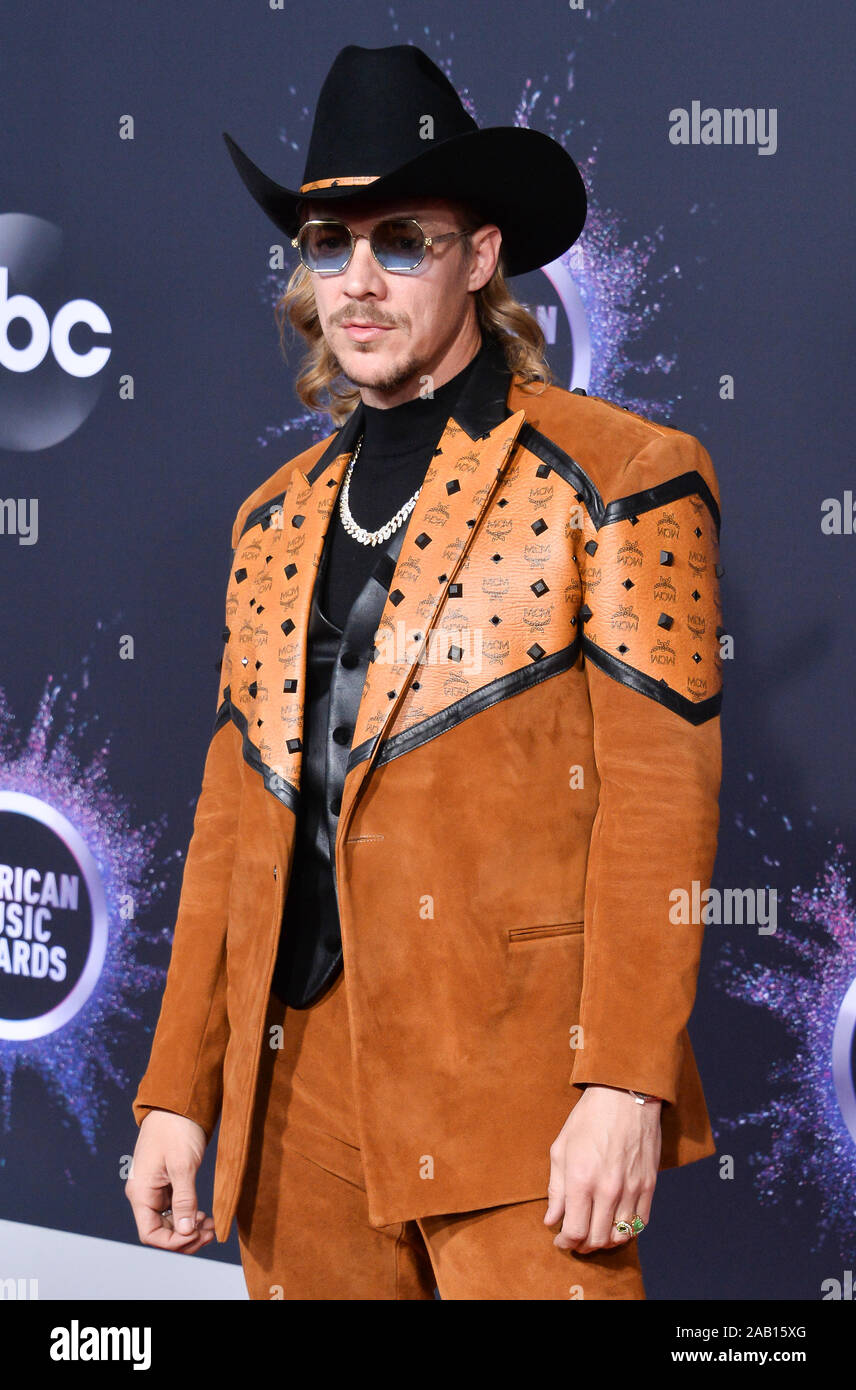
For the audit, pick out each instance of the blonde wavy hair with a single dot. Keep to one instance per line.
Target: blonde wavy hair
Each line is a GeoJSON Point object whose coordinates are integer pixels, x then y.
{"type": "Point", "coordinates": [320, 384]}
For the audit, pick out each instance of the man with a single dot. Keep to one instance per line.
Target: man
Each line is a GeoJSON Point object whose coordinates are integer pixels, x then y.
{"type": "Point", "coordinates": [433, 958]}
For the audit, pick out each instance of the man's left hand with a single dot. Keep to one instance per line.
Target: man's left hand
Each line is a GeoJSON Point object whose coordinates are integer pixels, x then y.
{"type": "Point", "coordinates": [603, 1168]}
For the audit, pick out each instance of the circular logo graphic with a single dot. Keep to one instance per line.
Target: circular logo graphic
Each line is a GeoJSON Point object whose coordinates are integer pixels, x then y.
{"type": "Point", "coordinates": [52, 351]}
{"type": "Point", "coordinates": [844, 1057]}
{"type": "Point", "coordinates": [561, 315]}
{"type": "Point", "coordinates": [53, 918]}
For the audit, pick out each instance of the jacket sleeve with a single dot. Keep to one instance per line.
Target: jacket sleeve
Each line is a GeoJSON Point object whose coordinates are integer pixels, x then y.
{"type": "Point", "coordinates": [184, 1072]}
{"type": "Point", "coordinates": [651, 622]}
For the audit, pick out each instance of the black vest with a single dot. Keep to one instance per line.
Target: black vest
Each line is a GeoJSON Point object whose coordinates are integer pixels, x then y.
{"type": "Point", "coordinates": [310, 950]}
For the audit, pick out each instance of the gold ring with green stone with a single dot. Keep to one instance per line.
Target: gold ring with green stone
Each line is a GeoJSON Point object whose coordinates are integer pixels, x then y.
{"type": "Point", "coordinates": [634, 1227]}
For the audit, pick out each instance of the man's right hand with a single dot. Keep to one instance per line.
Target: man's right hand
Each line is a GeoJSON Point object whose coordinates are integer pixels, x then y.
{"type": "Point", "coordinates": [166, 1159]}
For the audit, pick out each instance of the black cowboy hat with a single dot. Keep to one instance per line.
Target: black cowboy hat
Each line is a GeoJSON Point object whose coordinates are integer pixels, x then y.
{"type": "Point", "coordinates": [389, 123]}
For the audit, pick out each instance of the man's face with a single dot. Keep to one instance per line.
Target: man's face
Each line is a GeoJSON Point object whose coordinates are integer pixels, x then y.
{"type": "Point", "coordinates": [416, 320]}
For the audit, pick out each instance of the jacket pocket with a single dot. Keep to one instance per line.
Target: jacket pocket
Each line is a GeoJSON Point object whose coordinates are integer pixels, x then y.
{"type": "Point", "coordinates": [554, 929]}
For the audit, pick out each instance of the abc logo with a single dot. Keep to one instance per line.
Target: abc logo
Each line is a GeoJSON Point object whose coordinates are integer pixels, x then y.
{"type": "Point", "coordinates": [51, 361]}
{"type": "Point", "coordinates": [45, 335]}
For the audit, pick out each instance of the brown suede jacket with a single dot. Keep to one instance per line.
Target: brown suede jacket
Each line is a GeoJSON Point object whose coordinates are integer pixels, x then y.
{"type": "Point", "coordinates": [533, 782]}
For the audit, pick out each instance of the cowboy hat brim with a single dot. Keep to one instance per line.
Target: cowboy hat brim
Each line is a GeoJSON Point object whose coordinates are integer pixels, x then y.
{"type": "Point", "coordinates": [519, 178]}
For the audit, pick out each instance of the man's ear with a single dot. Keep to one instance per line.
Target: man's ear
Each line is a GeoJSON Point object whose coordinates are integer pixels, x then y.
{"type": "Point", "coordinates": [485, 240]}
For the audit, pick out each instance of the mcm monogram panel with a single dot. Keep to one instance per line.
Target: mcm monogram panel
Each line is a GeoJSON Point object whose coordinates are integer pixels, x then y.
{"type": "Point", "coordinates": [274, 570]}
{"type": "Point", "coordinates": [262, 671]}
{"type": "Point", "coordinates": [501, 566]}
{"type": "Point", "coordinates": [652, 600]}
{"type": "Point", "coordinates": [513, 600]}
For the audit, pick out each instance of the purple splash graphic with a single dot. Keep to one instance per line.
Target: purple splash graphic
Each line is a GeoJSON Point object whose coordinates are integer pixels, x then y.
{"type": "Point", "coordinates": [621, 290]}
{"type": "Point", "coordinates": [77, 1062]}
{"type": "Point", "coordinates": [810, 1117]}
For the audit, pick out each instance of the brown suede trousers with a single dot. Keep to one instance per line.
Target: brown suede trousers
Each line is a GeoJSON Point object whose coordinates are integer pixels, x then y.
{"type": "Point", "coordinates": [302, 1217]}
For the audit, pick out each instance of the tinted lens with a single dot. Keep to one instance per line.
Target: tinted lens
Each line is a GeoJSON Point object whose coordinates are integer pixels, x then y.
{"type": "Point", "coordinates": [325, 247]}
{"type": "Point", "coordinates": [398, 243]}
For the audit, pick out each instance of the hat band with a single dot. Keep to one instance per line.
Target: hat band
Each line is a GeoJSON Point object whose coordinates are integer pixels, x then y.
{"type": "Point", "coordinates": [348, 179]}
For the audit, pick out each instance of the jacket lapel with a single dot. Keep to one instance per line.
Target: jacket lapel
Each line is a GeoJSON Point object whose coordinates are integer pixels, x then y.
{"type": "Point", "coordinates": [458, 486]}
{"type": "Point", "coordinates": [299, 527]}
{"type": "Point", "coordinates": [264, 663]}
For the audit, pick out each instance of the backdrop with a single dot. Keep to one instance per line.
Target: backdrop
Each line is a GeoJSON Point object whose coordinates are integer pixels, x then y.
{"type": "Point", "coordinates": [143, 396]}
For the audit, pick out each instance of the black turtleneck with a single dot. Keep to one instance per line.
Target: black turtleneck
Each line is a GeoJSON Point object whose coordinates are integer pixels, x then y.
{"type": "Point", "coordinates": [398, 445]}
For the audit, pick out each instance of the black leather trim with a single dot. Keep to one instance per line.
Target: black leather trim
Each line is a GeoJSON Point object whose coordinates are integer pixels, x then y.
{"type": "Point", "coordinates": [549, 452]}
{"type": "Point", "coordinates": [276, 785]}
{"type": "Point", "coordinates": [683, 485]}
{"type": "Point", "coordinates": [224, 714]}
{"type": "Point", "coordinates": [258, 513]}
{"type": "Point", "coordinates": [483, 402]}
{"type": "Point", "coordinates": [695, 712]}
{"type": "Point", "coordinates": [492, 694]}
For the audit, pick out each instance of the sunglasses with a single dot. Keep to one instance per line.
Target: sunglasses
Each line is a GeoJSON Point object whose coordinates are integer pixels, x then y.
{"type": "Point", "coordinates": [398, 244]}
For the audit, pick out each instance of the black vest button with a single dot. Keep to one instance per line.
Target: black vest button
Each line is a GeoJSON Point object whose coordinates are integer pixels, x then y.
{"type": "Point", "coordinates": [343, 734]}
{"type": "Point", "coordinates": [349, 660]}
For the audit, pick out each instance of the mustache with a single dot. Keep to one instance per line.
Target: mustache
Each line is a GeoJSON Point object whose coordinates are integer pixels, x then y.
{"type": "Point", "coordinates": [365, 319]}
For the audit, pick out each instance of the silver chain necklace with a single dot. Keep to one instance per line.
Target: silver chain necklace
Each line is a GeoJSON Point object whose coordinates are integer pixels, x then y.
{"type": "Point", "coordinates": [359, 533]}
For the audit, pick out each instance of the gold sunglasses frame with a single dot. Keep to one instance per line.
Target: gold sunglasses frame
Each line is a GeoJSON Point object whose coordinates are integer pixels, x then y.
{"type": "Point", "coordinates": [367, 236]}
